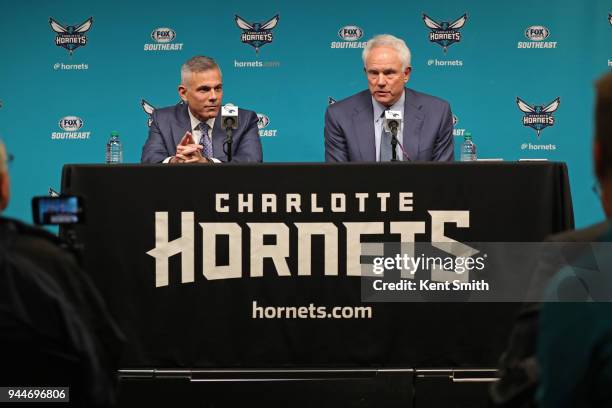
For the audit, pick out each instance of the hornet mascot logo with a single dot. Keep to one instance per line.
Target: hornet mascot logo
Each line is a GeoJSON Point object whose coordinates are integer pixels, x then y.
{"type": "Point", "coordinates": [538, 117]}
{"type": "Point", "coordinates": [256, 34]}
{"type": "Point", "coordinates": [70, 37]}
{"type": "Point", "coordinates": [444, 33]}
{"type": "Point", "coordinates": [149, 109]}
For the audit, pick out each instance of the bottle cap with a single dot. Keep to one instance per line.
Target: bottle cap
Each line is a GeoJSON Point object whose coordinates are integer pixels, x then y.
{"type": "Point", "coordinates": [115, 133]}
{"type": "Point", "coordinates": [467, 136]}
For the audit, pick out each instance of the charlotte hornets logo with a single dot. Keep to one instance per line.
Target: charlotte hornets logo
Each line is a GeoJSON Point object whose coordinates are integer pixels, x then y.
{"type": "Point", "coordinates": [444, 33]}
{"type": "Point", "coordinates": [70, 37]}
{"type": "Point", "coordinates": [149, 109]}
{"type": "Point", "coordinates": [538, 117]}
{"type": "Point", "coordinates": [256, 34]}
{"type": "Point", "coordinates": [330, 100]}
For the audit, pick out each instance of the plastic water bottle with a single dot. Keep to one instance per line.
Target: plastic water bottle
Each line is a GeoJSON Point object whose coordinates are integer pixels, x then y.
{"type": "Point", "coordinates": [114, 150]}
{"type": "Point", "coordinates": [468, 148]}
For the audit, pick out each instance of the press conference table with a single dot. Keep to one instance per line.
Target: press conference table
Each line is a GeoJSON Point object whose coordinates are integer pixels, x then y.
{"type": "Point", "coordinates": [186, 311]}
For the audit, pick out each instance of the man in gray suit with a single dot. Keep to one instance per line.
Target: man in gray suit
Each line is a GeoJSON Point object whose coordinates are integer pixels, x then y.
{"type": "Point", "coordinates": [190, 132]}
{"type": "Point", "coordinates": [353, 126]}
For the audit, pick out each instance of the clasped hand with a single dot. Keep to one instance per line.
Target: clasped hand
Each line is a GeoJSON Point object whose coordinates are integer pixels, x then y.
{"type": "Point", "coordinates": [188, 151]}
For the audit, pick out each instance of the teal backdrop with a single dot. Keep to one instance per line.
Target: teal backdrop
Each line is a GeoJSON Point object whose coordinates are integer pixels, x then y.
{"type": "Point", "coordinates": [536, 51]}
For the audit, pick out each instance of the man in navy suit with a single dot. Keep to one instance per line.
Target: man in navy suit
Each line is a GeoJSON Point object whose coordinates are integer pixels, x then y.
{"type": "Point", "coordinates": [354, 126]}
{"type": "Point", "coordinates": [190, 132]}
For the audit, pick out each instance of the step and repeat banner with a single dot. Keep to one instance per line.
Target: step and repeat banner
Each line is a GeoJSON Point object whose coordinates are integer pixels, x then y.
{"type": "Point", "coordinates": [519, 76]}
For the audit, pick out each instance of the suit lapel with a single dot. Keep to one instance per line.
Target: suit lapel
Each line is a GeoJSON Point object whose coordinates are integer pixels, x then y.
{"type": "Point", "coordinates": [183, 124]}
{"type": "Point", "coordinates": [413, 123]}
{"type": "Point", "coordinates": [363, 129]}
{"type": "Point", "coordinates": [218, 138]}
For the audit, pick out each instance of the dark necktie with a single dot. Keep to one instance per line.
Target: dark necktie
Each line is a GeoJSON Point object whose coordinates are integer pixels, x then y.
{"type": "Point", "coordinates": [206, 141]}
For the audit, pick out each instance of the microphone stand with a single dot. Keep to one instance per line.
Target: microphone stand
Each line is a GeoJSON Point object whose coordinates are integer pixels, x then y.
{"type": "Point", "coordinates": [229, 124]}
{"type": "Point", "coordinates": [393, 141]}
{"type": "Point", "coordinates": [228, 142]}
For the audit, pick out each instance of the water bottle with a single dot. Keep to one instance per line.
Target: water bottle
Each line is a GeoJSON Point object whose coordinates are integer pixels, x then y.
{"type": "Point", "coordinates": [468, 148]}
{"type": "Point", "coordinates": [114, 150]}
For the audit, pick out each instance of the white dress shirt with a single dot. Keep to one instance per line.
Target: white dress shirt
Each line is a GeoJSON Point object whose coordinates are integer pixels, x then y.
{"type": "Point", "coordinates": [378, 122]}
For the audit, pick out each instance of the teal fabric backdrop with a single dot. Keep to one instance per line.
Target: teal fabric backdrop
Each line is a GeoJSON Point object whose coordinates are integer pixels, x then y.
{"type": "Point", "coordinates": [502, 54]}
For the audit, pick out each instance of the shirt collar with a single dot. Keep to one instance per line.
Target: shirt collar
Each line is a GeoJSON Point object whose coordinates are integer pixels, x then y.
{"type": "Point", "coordinates": [195, 122]}
{"type": "Point", "coordinates": [397, 106]}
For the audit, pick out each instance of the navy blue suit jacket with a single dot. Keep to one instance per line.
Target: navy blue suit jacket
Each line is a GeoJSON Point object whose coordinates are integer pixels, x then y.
{"type": "Point", "coordinates": [427, 135]}
{"type": "Point", "coordinates": [168, 126]}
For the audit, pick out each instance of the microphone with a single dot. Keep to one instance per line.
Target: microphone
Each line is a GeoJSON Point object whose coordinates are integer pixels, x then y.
{"type": "Point", "coordinates": [229, 117]}
{"type": "Point", "coordinates": [392, 121]}
{"type": "Point", "coordinates": [229, 122]}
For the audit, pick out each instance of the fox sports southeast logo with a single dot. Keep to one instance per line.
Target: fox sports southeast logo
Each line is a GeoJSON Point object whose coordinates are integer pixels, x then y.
{"type": "Point", "coordinates": [537, 33]}
{"type": "Point", "coordinates": [263, 121]}
{"type": "Point", "coordinates": [350, 33]}
{"type": "Point", "coordinates": [163, 38]}
{"type": "Point", "coordinates": [457, 131]}
{"type": "Point", "coordinates": [71, 129]}
{"type": "Point", "coordinates": [163, 35]}
{"type": "Point", "coordinates": [71, 123]}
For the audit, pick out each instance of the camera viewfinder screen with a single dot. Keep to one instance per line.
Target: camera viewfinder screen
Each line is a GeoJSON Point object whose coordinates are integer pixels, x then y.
{"type": "Point", "coordinates": [63, 210]}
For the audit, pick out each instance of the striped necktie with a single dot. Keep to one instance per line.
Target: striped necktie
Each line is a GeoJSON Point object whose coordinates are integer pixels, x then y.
{"type": "Point", "coordinates": [206, 141]}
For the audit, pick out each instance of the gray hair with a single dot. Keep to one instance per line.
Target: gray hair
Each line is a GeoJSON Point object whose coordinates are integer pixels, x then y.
{"type": "Point", "coordinates": [388, 40]}
{"type": "Point", "coordinates": [199, 63]}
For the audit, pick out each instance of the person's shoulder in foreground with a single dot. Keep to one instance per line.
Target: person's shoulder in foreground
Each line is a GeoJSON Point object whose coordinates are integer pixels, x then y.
{"type": "Point", "coordinates": [575, 331]}
{"type": "Point", "coordinates": [55, 328]}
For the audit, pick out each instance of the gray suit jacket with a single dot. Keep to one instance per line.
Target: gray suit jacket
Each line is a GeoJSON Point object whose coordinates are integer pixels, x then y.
{"type": "Point", "coordinates": [170, 124]}
{"type": "Point", "coordinates": [427, 135]}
